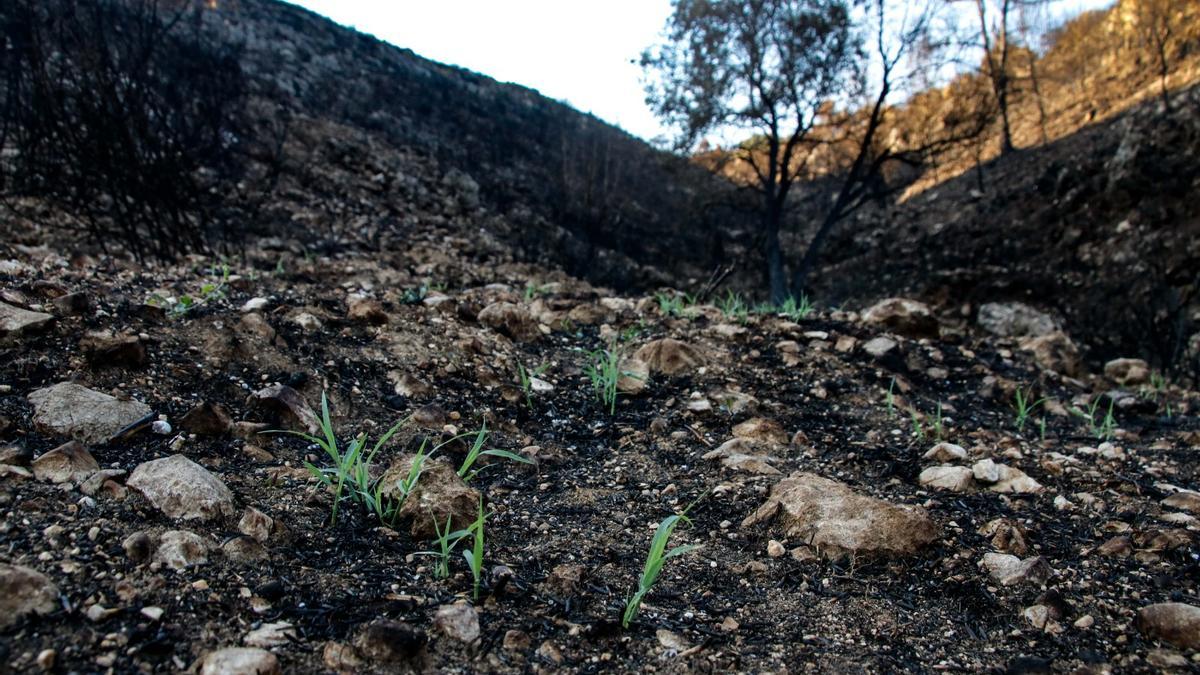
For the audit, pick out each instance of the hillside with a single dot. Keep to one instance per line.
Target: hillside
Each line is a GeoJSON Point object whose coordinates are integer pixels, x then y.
{"type": "Point", "coordinates": [432, 416]}
{"type": "Point", "coordinates": [557, 185]}
{"type": "Point", "coordinates": [1097, 203]}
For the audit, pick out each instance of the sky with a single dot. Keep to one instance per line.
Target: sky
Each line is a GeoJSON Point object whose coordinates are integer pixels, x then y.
{"type": "Point", "coordinates": [582, 52]}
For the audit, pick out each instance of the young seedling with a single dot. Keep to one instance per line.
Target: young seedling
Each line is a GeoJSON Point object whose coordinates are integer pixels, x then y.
{"type": "Point", "coordinates": [796, 310]}
{"type": "Point", "coordinates": [1023, 407]}
{"type": "Point", "coordinates": [474, 557]}
{"type": "Point", "coordinates": [891, 398]}
{"type": "Point", "coordinates": [603, 369]}
{"type": "Point", "coordinates": [655, 560]}
{"type": "Point", "coordinates": [671, 304]}
{"type": "Point", "coordinates": [477, 450]}
{"type": "Point", "coordinates": [533, 290]}
{"type": "Point", "coordinates": [1108, 426]}
{"type": "Point", "coordinates": [918, 431]}
{"type": "Point", "coordinates": [405, 486]}
{"type": "Point", "coordinates": [734, 307]}
{"type": "Point", "coordinates": [526, 379]}
{"type": "Point", "coordinates": [938, 428]}
{"type": "Point", "coordinates": [632, 332]}
{"type": "Point", "coordinates": [209, 291]}
{"type": "Point", "coordinates": [1105, 428]}
{"type": "Point", "coordinates": [446, 541]}
{"type": "Point", "coordinates": [1157, 387]}
{"type": "Point", "coordinates": [350, 466]}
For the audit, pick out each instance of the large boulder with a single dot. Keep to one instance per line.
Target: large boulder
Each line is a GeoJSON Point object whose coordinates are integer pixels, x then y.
{"type": "Point", "coordinates": [182, 489]}
{"type": "Point", "coordinates": [68, 409]}
{"type": "Point", "coordinates": [669, 356]}
{"type": "Point", "coordinates": [836, 520]}
{"type": "Point", "coordinates": [1015, 319]}
{"type": "Point", "coordinates": [904, 317]}
{"type": "Point", "coordinates": [24, 591]}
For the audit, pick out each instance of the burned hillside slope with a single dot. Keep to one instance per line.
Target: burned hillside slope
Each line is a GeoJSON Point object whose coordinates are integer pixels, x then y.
{"type": "Point", "coordinates": [1101, 229]}
{"type": "Point", "coordinates": [573, 190]}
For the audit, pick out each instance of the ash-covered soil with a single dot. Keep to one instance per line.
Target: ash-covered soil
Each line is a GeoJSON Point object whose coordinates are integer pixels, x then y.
{"type": "Point", "coordinates": [895, 537]}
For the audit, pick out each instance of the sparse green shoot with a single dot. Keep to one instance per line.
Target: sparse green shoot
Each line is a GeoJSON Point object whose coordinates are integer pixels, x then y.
{"type": "Point", "coordinates": [939, 431]}
{"type": "Point", "coordinates": [405, 486]}
{"type": "Point", "coordinates": [891, 398]}
{"type": "Point", "coordinates": [526, 379]}
{"type": "Point", "coordinates": [177, 307]}
{"type": "Point", "coordinates": [603, 370]}
{"type": "Point", "coordinates": [1023, 406]}
{"type": "Point", "coordinates": [446, 541]}
{"type": "Point", "coordinates": [350, 467]}
{"type": "Point", "coordinates": [1104, 428]}
{"type": "Point", "coordinates": [918, 431]}
{"type": "Point", "coordinates": [734, 307]}
{"type": "Point", "coordinates": [655, 560]}
{"type": "Point", "coordinates": [476, 451]}
{"type": "Point", "coordinates": [1156, 388]}
{"type": "Point", "coordinates": [796, 310]}
{"type": "Point", "coordinates": [535, 290]}
{"type": "Point", "coordinates": [1108, 426]}
{"type": "Point", "coordinates": [474, 557]}
{"type": "Point", "coordinates": [674, 304]}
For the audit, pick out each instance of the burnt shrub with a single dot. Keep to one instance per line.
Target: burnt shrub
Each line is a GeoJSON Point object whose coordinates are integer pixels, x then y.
{"type": "Point", "coordinates": [131, 116]}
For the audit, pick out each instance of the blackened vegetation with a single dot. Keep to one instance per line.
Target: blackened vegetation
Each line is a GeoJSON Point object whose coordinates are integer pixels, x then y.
{"type": "Point", "coordinates": [131, 117]}
{"type": "Point", "coordinates": [578, 192]}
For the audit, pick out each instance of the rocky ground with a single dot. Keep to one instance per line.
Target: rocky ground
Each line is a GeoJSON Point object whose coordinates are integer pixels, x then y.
{"type": "Point", "coordinates": [863, 495]}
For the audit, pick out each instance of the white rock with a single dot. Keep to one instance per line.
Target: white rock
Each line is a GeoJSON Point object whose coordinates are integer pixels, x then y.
{"type": "Point", "coordinates": [986, 471]}
{"type": "Point", "coordinates": [945, 477]}
{"type": "Point", "coordinates": [182, 489]}
{"type": "Point", "coordinates": [180, 549]}
{"type": "Point", "coordinates": [458, 622]}
{"type": "Point", "coordinates": [1008, 570]}
{"type": "Point", "coordinates": [15, 321]}
{"type": "Point", "coordinates": [1013, 319]}
{"type": "Point", "coordinates": [1173, 622]}
{"type": "Point", "coordinates": [307, 321]}
{"type": "Point", "coordinates": [879, 346]}
{"type": "Point", "coordinates": [946, 452]}
{"type": "Point", "coordinates": [67, 409]}
{"type": "Point", "coordinates": [68, 463]}
{"type": "Point", "coordinates": [254, 305]}
{"type": "Point", "coordinates": [1127, 372]}
{"type": "Point", "coordinates": [1015, 481]}
{"type": "Point", "coordinates": [267, 635]}
{"type": "Point", "coordinates": [240, 661]}
{"type": "Point", "coordinates": [836, 520]}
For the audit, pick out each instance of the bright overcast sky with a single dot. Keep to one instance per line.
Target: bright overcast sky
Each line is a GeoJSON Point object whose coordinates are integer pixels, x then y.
{"type": "Point", "coordinates": [578, 51]}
